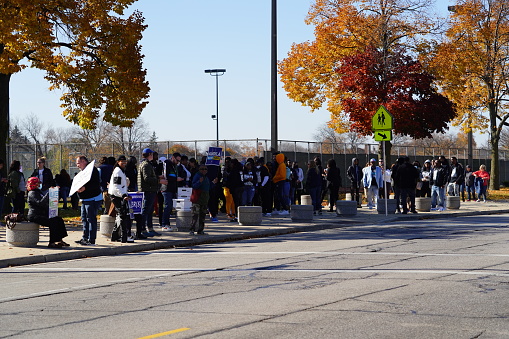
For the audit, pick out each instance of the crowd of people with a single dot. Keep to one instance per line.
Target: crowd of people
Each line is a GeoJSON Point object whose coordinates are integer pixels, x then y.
{"type": "Point", "coordinates": [274, 185]}
{"type": "Point", "coordinates": [408, 180]}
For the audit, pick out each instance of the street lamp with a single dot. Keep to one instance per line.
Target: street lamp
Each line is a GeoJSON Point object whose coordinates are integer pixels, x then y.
{"type": "Point", "coordinates": [273, 79]}
{"type": "Point", "coordinates": [216, 73]}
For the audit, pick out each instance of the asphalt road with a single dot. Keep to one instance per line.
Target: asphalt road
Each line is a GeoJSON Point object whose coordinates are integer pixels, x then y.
{"type": "Point", "coordinates": [421, 279]}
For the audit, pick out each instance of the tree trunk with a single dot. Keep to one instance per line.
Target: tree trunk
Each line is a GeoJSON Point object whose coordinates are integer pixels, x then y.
{"type": "Point", "coordinates": [495, 168]}
{"type": "Point", "coordinates": [4, 117]}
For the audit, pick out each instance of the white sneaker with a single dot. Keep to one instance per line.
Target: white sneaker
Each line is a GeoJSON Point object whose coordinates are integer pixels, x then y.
{"type": "Point", "coordinates": [268, 214]}
{"type": "Point", "coordinates": [275, 212]}
{"type": "Point", "coordinates": [166, 228]}
{"type": "Point", "coordinates": [173, 229]}
{"type": "Point", "coordinates": [284, 212]}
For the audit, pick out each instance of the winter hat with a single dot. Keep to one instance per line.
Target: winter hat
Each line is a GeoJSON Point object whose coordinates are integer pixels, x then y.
{"type": "Point", "coordinates": [33, 183]}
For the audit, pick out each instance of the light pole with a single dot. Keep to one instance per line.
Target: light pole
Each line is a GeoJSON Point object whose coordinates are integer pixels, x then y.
{"type": "Point", "coordinates": [216, 73]}
{"type": "Point", "coordinates": [273, 79]}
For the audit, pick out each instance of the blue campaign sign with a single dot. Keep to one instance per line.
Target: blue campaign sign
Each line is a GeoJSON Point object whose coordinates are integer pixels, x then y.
{"type": "Point", "coordinates": [214, 156]}
{"type": "Point", "coordinates": [135, 203]}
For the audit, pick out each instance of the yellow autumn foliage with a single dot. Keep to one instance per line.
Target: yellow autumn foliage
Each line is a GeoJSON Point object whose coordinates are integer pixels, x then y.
{"type": "Point", "coordinates": [89, 49]}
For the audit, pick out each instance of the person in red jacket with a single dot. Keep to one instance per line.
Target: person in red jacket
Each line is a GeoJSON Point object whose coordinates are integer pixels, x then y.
{"type": "Point", "coordinates": [481, 182]}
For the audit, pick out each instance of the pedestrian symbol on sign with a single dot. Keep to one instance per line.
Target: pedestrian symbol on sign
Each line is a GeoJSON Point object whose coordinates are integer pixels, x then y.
{"type": "Point", "coordinates": [382, 120]}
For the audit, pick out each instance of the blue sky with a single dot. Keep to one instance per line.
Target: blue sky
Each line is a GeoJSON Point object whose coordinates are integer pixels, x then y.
{"type": "Point", "coordinates": [183, 39]}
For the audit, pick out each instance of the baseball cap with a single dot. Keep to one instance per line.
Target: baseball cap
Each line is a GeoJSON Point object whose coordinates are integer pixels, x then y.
{"type": "Point", "coordinates": [147, 150]}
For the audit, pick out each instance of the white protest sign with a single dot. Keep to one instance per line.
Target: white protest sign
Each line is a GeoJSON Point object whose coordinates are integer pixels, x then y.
{"type": "Point", "coordinates": [82, 178]}
{"type": "Point", "coordinates": [53, 202]}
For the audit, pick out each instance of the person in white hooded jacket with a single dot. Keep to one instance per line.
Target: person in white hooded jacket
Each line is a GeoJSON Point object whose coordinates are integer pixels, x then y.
{"type": "Point", "coordinates": [117, 189]}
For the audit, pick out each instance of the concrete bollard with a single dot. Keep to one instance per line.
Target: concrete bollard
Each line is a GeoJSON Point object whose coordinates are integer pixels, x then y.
{"type": "Point", "coordinates": [305, 200]}
{"type": "Point", "coordinates": [24, 234]}
{"type": "Point", "coordinates": [391, 206]}
{"type": "Point", "coordinates": [301, 213]}
{"type": "Point", "coordinates": [106, 225]}
{"type": "Point", "coordinates": [249, 215]}
{"type": "Point", "coordinates": [452, 203]}
{"type": "Point", "coordinates": [423, 204]}
{"type": "Point", "coordinates": [184, 220]}
{"type": "Point", "coordinates": [346, 207]}
{"type": "Point", "coordinates": [348, 197]}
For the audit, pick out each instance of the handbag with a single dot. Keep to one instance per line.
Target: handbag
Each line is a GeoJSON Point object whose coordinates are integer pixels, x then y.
{"type": "Point", "coordinates": [195, 195]}
{"type": "Point", "coordinates": [419, 185]}
{"type": "Point", "coordinates": [12, 218]}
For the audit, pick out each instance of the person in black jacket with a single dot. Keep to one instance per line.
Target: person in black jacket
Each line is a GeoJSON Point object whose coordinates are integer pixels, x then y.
{"type": "Point", "coordinates": [354, 173]}
{"type": "Point", "coordinates": [469, 182]}
{"type": "Point", "coordinates": [314, 186]}
{"type": "Point", "coordinates": [105, 171]}
{"type": "Point", "coordinates": [406, 177]}
{"type": "Point", "coordinates": [44, 174]}
{"type": "Point", "coordinates": [438, 181]}
{"type": "Point", "coordinates": [63, 181]}
{"type": "Point", "coordinates": [169, 171]}
{"type": "Point", "coordinates": [333, 177]}
{"type": "Point", "coordinates": [38, 212]}
{"type": "Point", "coordinates": [3, 181]}
{"type": "Point", "coordinates": [263, 187]}
{"type": "Point", "coordinates": [91, 198]}
{"type": "Point", "coordinates": [235, 185]}
{"type": "Point", "coordinates": [457, 178]}
{"type": "Point", "coordinates": [131, 172]}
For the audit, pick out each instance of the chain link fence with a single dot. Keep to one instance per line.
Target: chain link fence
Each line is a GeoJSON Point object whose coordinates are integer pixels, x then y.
{"type": "Point", "coordinates": [63, 156]}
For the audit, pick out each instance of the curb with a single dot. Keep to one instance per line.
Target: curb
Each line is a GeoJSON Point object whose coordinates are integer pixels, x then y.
{"type": "Point", "coordinates": [214, 239]}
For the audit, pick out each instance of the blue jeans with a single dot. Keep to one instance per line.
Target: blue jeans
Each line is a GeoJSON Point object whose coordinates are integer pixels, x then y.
{"type": "Point", "coordinates": [247, 195]}
{"type": "Point", "coordinates": [471, 192]}
{"type": "Point", "coordinates": [437, 193]}
{"type": "Point", "coordinates": [286, 193]}
{"type": "Point", "coordinates": [168, 205]}
{"type": "Point", "coordinates": [64, 194]}
{"type": "Point", "coordinates": [482, 192]}
{"type": "Point", "coordinates": [316, 194]}
{"type": "Point", "coordinates": [89, 219]}
{"type": "Point", "coordinates": [147, 208]}
{"type": "Point", "coordinates": [283, 199]}
{"type": "Point", "coordinates": [292, 195]}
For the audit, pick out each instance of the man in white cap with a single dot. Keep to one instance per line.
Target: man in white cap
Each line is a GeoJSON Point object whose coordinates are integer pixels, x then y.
{"type": "Point", "coordinates": [372, 179]}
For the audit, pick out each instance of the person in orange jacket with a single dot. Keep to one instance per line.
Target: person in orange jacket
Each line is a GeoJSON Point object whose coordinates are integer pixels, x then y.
{"type": "Point", "coordinates": [279, 180]}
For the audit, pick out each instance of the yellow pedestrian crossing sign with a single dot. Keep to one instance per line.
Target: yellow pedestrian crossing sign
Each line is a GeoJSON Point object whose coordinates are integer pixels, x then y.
{"type": "Point", "coordinates": [383, 135]}
{"type": "Point", "coordinates": [382, 120]}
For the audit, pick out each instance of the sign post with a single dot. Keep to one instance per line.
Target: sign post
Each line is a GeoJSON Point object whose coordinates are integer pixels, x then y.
{"type": "Point", "coordinates": [382, 125]}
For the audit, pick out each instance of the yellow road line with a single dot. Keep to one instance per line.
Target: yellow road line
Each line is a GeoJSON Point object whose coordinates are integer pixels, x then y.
{"type": "Point", "coordinates": [165, 333]}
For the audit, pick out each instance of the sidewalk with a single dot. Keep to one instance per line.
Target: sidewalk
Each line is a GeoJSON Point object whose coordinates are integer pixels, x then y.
{"type": "Point", "coordinates": [218, 232]}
